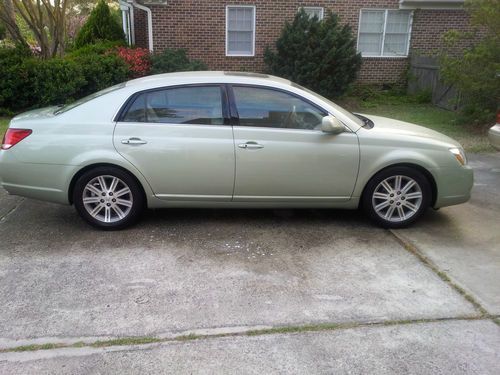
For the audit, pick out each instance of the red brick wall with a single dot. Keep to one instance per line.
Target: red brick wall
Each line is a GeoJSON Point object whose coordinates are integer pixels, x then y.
{"type": "Point", "coordinates": [429, 26]}
{"type": "Point", "coordinates": [141, 28]}
{"type": "Point", "coordinates": [199, 27]}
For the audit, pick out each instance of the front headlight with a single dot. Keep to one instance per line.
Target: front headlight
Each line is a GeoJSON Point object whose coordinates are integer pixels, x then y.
{"type": "Point", "coordinates": [459, 154]}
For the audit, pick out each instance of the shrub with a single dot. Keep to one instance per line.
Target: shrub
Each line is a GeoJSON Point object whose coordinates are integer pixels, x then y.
{"type": "Point", "coordinates": [98, 48]}
{"type": "Point", "coordinates": [11, 84]}
{"type": "Point", "coordinates": [320, 55]}
{"type": "Point", "coordinates": [35, 82]}
{"type": "Point", "coordinates": [53, 81]}
{"type": "Point", "coordinates": [101, 25]}
{"type": "Point", "coordinates": [100, 71]}
{"type": "Point", "coordinates": [137, 60]}
{"type": "Point", "coordinates": [174, 60]}
{"type": "Point", "coordinates": [475, 73]}
{"type": "Point", "coordinates": [13, 55]}
{"type": "Point", "coordinates": [29, 82]}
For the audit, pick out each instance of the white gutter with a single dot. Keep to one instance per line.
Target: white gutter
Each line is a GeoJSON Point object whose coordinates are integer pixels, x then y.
{"type": "Point", "coordinates": [128, 25]}
{"type": "Point", "coordinates": [150, 22]}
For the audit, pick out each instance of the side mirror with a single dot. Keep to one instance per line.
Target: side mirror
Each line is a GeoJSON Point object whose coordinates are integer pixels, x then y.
{"type": "Point", "coordinates": [331, 125]}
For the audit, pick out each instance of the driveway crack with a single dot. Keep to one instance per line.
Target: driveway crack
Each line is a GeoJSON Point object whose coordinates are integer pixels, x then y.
{"type": "Point", "coordinates": [4, 217]}
{"type": "Point", "coordinates": [413, 249]}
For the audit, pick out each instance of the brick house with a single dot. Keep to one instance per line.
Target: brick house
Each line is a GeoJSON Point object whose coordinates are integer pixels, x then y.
{"type": "Point", "coordinates": [233, 34]}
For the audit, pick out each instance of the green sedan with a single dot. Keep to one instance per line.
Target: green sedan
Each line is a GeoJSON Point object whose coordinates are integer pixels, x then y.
{"type": "Point", "coordinates": [228, 140]}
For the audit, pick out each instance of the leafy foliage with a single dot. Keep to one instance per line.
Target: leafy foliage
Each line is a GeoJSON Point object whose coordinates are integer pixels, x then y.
{"type": "Point", "coordinates": [174, 60]}
{"type": "Point", "coordinates": [3, 31]}
{"type": "Point", "coordinates": [320, 55]}
{"type": "Point", "coordinates": [100, 71]}
{"type": "Point", "coordinates": [29, 82]}
{"type": "Point", "coordinates": [476, 73]}
{"type": "Point", "coordinates": [100, 26]}
{"type": "Point", "coordinates": [99, 48]}
{"type": "Point", "coordinates": [137, 60]}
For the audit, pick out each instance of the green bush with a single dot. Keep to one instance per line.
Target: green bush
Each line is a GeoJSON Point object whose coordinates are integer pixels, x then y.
{"type": "Point", "coordinates": [53, 81]}
{"type": "Point", "coordinates": [101, 71]}
{"type": "Point", "coordinates": [100, 26]}
{"type": "Point", "coordinates": [35, 82]}
{"type": "Point", "coordinates": [98, 48]}
{"type": "Point", "coordinates": [13, 55]}
{"type": "Point", "coordinates": [320, 55]}
{"type": "Point", "coordinates": [29, 82]}
{"type": "Point", "coordinates": [476, 72]}
{"type": "Point", "coordinates": [174, 60]}
{"type": "Point", "coordinates": [10, 84]}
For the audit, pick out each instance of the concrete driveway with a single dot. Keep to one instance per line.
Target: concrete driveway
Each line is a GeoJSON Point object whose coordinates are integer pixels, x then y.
{"type": "Point", "coordinates": [221, 291]}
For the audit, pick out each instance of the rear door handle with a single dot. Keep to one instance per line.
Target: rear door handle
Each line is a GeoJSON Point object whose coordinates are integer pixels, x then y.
{"type": "Point", "coordinates": [251, 145]}
{"type": "Point", "coordinates": [134, 141]}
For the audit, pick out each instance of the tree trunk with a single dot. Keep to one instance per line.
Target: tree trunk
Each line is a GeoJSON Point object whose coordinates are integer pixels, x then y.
{"type": "Point", "coordinates": [8, 17]}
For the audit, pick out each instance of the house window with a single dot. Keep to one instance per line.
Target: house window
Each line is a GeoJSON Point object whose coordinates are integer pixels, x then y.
{"type": "Point", "coordinates": [314, 12]}
{"type": "Point", "coordinates": [240, 30]}
{"type": "Point", "coordinates": [384, 32]}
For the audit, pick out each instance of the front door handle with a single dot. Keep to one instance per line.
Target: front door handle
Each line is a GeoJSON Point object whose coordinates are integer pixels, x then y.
{"type": "Point", "coordinates": [134, 141]}
{"type": "Point", "coordinates": [252, 145]}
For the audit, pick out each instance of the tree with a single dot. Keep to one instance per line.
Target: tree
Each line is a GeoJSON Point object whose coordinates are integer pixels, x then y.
{"type": "Point", "coordinates": [320, 55]}
{"type": "Point", "coordinates": [100, 26]}
{"type": "Point", "coordinates": [46, 19]}
{"type": "Point", "coordinates": [8, 19]}
{"type": "Point", "coordinates": [3, 31]}
{"type": "Point", "coordinates": [476, 71]}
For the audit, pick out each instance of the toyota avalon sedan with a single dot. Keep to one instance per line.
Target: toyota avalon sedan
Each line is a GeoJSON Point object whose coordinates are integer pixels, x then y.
{"type": "Point", "coordinates": [215, 139]}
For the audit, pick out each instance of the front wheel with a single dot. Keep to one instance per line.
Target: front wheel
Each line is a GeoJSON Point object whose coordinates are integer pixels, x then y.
{"type": "Point", "coordinates": [108, 198]}
{"type": "Point", "coordinates": [397, 197]}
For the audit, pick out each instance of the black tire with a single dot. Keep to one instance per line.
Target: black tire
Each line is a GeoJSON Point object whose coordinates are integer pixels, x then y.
{"type": "Point", "coordinates": [369, 202]}
{"type": "Point", "coordinates": [120, 216]}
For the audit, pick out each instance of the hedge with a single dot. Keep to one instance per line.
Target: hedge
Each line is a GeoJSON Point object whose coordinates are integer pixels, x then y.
{"type": "Point", "coordinates": [29, 82]}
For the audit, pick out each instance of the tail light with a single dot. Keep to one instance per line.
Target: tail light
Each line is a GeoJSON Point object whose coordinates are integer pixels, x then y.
{"type": "Point", "coordinates": [14, 136]}
{"type": "Point", "coordinates": [498, 116]}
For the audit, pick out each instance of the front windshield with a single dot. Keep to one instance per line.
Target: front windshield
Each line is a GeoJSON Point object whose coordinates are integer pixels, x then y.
{"type": "Point", "coordinates": [345, 112]}
{"type": "Point", "coordinates": [87, 98]}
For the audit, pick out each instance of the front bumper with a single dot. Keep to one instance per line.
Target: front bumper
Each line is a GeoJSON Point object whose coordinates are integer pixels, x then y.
{"type": "Point", "coordinates": [494, 136]}
{"type": "Point", "coordinates": [454, 185]}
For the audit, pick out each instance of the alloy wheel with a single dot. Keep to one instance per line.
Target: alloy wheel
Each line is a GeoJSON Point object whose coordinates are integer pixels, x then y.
{"type": "Point", "coordinates": [107, 199]}
{"type": "Point", "coordinates": [397, 198]}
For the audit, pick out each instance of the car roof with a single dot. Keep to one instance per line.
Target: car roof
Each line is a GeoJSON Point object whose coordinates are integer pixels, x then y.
{"type": "Point", "coordinates": [206, 77]}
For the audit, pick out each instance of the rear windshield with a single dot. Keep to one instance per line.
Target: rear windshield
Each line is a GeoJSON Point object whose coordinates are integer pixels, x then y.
{"type": "Point", "coordinates": [85, 99]}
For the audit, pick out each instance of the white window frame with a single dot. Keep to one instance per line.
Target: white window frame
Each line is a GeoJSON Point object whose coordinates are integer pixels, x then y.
{"type": "Point", "coordinates": [321, 9]}
{"type": "Point", "coordinates": [227, 30]}
{"type": "Point", "coordinates": [386, 11]}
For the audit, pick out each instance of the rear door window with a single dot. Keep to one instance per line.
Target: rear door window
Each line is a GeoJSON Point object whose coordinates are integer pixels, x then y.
{"type": "Point", "coordinates": [202, 105]}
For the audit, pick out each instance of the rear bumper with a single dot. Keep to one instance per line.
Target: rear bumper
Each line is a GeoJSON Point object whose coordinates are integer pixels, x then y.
{"type": "Point", "coordinates": [454, 185]}
{"type": "Point", "coordinates": [494, 136]}
{"type": "Point", "coordinates": [47, 182]}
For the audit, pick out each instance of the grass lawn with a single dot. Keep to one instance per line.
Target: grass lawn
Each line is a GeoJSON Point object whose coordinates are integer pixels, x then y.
{"type": "Point", "coordinates": [473, 139]}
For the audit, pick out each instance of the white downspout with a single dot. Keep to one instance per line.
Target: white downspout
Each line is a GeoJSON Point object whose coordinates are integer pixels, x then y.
{"type": "Point", "coordinates": [150, 22]}
{"type": "Point", "coordinates": [128, 24]}
{"type": "Point", "coordinates": [125, 23]}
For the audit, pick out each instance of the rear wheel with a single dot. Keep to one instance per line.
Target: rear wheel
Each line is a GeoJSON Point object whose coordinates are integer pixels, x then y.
{"type": "Point", "coordinates": [108, 198]}
{"type": "Point", "coordinates": [397, 197]}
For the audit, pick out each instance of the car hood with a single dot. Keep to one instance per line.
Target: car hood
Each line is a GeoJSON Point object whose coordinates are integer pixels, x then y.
{"type": "Point", "coordinates": [396, 127]}
{"type": "Point", "coordinates": [35, 114]}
